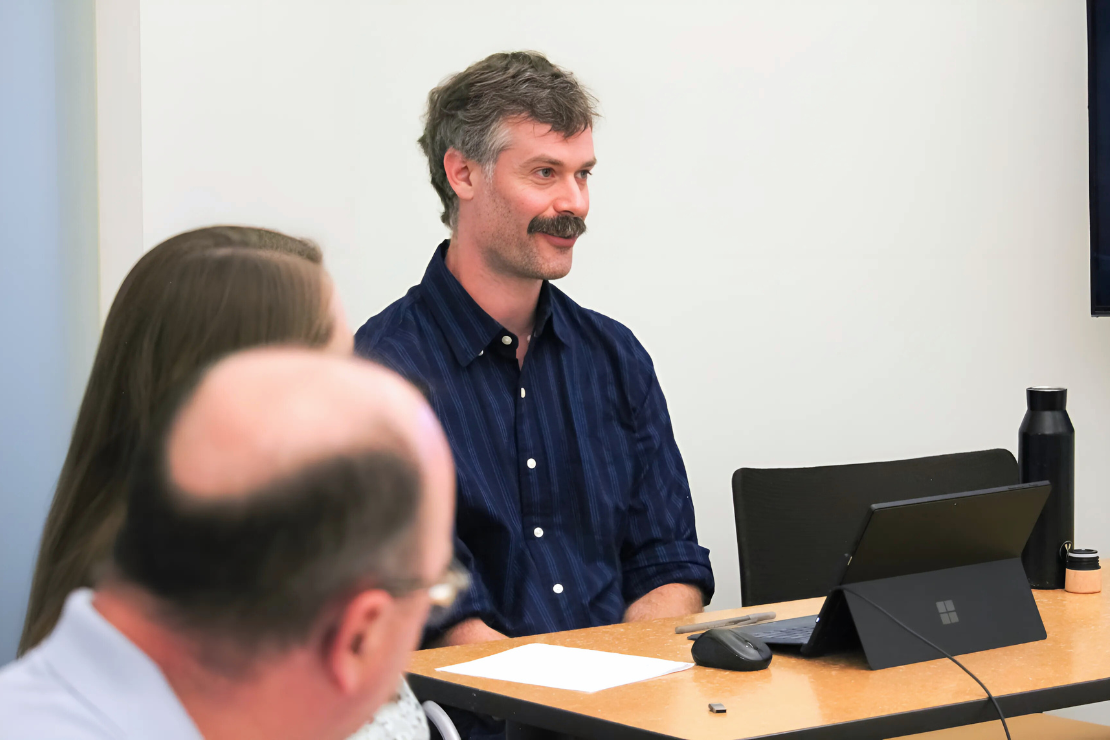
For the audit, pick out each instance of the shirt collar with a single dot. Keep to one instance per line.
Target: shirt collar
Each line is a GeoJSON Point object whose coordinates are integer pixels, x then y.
{"type": "Point", "coordinates": [546, 312]}
{"type": "Point", "coordinates": [468, 328]}
{"type": "Point", "coordinates": [113, 675]}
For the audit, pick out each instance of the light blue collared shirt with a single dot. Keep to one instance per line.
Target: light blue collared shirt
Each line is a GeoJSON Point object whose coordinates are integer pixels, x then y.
{"type": "Point", "coordinates": [86, 681]}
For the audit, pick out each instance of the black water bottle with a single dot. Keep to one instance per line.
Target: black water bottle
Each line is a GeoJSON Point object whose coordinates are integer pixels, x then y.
{"type": "Point", "coordinates": [1046, 451]}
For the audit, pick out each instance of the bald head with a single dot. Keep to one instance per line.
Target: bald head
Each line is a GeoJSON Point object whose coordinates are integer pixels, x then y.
{"type": "Point", "coordinates": [280, 481]}
{"type": "Point", "coordinates": [264, 414]}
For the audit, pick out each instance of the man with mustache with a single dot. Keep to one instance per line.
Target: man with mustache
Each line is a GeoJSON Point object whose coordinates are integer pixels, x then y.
{"type": "Point", "coordinates": [573, 504]}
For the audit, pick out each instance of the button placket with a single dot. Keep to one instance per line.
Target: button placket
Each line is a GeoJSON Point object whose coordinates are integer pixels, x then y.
{"type": "Point", "coordinates": [533, 481]}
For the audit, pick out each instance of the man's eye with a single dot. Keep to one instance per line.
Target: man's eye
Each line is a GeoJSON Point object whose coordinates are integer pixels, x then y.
{"type": "Point", "coordinates": [545, 172]}
{"type": "Point", "coordinates": [584, 174]}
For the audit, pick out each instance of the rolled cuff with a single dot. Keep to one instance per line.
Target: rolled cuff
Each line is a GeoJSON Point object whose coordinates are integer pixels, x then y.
{"type": "Point", "coordinates": [474, 603]}
{"type": "Point", "coordinates": [672, 562]}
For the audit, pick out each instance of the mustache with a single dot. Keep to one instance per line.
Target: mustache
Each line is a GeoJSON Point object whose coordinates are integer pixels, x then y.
{"type": "Point", "coordinates": [564, 226]}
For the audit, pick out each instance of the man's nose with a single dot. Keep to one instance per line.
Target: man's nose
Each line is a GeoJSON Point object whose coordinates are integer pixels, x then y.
{"type": "Point", "coordinates": [572, 198]}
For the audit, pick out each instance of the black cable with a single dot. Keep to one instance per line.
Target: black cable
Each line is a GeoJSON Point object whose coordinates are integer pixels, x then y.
{"type": "Point", "coordinates": [936, 647]}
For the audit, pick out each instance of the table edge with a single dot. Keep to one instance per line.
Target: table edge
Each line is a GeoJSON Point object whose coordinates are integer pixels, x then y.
{"type": "Point", "coordinates": [525, 712]}
{"type": "Point", "coordinates": [877, 728]}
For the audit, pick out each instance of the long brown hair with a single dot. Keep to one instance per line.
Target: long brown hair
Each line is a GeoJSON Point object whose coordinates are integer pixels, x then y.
{"type": "Point", "coordinates": [189, 300]}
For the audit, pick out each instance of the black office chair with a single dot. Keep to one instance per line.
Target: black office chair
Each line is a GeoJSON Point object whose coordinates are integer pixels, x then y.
{"type": "Point", "coordinates": [796, 526]}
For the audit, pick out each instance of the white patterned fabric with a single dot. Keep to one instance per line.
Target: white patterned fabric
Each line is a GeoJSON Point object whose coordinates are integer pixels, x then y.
{"type": "Point", "coordinates": [401, 719]}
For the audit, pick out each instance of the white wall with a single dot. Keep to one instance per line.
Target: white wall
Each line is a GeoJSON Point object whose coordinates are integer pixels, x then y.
{"type": "Point", "coordinates": [119, 144]}
{"type": "Point", "coordinates": [846, 231]}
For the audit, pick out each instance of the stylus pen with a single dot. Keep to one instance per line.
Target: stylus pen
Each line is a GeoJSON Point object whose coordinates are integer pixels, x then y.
{"type": "Point", "coordinates": [746, 619]}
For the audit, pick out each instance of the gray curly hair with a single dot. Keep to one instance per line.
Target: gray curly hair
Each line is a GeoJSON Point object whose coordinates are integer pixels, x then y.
{"type": "Point", "coordinates": [466, 112]}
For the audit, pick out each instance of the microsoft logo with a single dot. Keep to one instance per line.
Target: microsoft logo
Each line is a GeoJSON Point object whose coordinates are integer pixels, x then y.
{"type": "Point", "coordinates": [947, 612]}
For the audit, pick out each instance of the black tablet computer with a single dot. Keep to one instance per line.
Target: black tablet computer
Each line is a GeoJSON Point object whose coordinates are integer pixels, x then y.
{"type": "Point", "coordinates": [965, 537]}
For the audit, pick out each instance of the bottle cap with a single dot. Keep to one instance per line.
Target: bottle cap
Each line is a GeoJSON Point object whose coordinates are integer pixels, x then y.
{"type": "Point", "coordinates": [1083, 560]}
{"type": "Point", "coordinates": [1043, 398]}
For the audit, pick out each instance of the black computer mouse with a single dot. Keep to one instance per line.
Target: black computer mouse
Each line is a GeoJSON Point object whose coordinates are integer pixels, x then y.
{"type": "Point", "coordinates": [731, 649]}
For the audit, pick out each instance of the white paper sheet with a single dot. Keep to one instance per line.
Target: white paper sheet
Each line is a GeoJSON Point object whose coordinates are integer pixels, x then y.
{"type": "Point", "coordinates": [560, 667]}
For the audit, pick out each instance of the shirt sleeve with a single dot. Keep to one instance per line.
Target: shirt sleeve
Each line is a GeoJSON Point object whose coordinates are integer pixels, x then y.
{"type": "Point", "coordinates": [661, 542]}
{"type": "Point", "coordinates": [474, 603]}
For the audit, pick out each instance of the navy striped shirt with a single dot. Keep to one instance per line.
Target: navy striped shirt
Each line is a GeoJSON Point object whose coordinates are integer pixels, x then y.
{"type": "Point", "coordinates": [572, 496]}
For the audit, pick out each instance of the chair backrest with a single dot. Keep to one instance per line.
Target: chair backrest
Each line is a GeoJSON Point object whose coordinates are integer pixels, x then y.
{"type": "Point", "coordinates": [795, 526]}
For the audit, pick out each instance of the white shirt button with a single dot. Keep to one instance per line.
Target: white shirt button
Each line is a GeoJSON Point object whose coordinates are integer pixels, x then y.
{"type": "Point", "coordinates": [506, 340]}
{"type": "Point", "coordinates": [557, 588]}
{"type": "Point", "coordinates": [531, 463]}
{"type": "Point", "coordinates": [522, 393]}
{"type": "Point", "coordinates": [538, 531]}
{"type": "Point", "coordinates": [481, 352]}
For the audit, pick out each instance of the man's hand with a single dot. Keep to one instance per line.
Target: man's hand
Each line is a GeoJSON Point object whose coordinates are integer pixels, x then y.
{"type": "Point", "coordinates": [672, 600]}
{"type": "Point", "coordinates": [469, 631]}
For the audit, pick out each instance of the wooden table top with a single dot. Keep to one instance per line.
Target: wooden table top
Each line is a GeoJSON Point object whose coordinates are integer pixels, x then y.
{"type": "Point", "coordinates": [796, 695]}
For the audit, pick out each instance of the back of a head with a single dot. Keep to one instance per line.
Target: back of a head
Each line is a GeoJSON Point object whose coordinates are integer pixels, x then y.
{"type": "Point", "coordinates": [249, 516]}
{"type": "Point", "coordinates": [467, 110]}
{"type": "Point", "coordinates": [188, 301]}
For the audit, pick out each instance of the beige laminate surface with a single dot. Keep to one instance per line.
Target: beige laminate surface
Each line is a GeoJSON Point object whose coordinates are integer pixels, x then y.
{"type": "Point", "coordinates": [796, 693]}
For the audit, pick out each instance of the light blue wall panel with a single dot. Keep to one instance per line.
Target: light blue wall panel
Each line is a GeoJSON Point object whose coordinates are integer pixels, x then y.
{"type": "Point", "coordinates": [47, 267]}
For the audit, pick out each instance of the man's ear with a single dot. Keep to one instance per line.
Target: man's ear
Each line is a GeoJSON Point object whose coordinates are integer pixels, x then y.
{"type": "Point", "coordinates": [461, 173]}
{"type": "Point", "coordinates": [354, 655]}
